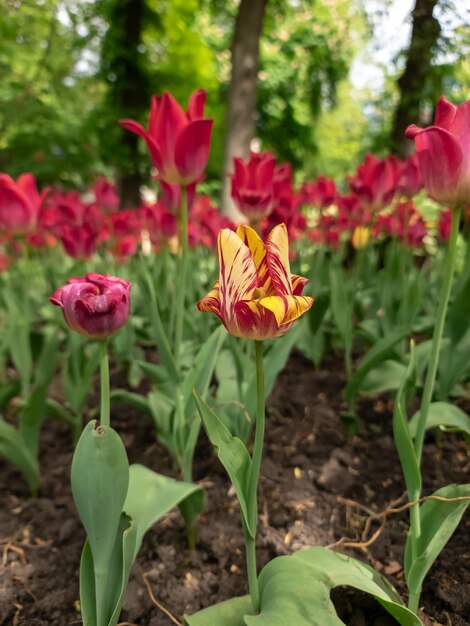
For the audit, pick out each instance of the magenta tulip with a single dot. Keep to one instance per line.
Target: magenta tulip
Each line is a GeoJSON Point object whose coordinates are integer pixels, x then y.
{"type": "Point", "coordinates": [95, 306]}
{"type": "Point", "coordinates": [375, 182]}
{"type": "Point", "coordinates": [444, 153]}
{"type": "Point", "coordinates": [178, 142]}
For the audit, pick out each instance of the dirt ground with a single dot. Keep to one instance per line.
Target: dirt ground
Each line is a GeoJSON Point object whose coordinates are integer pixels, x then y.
{"type": "Point", "coordinates": [318, 487]}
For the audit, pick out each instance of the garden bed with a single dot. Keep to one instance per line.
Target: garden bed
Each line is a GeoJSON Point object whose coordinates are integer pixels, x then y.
{"type": "Point", "coordinates": [318, 487]}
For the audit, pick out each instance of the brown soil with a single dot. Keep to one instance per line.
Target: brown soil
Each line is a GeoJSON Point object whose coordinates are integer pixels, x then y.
{"type": "Point", "coordinates": [317, 486]}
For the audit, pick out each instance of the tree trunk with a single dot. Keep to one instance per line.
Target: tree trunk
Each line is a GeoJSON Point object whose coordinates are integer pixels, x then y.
{"type": "Point", "coordinates": [241, 109]}
{"type": "Point", "coordinates": [129, 93]}
{"type": "Point", "coordinates": [411, 85]}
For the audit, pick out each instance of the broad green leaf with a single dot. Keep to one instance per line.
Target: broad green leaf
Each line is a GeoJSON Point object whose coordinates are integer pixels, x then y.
{"type": "Point", "coordinates": [228, 613]}
{"type": "Point", "coordinates": [454, 364]}
{"type": "Point", "coordinates": [100, 478]}
{"type": "Point", "coordinates": [231, 451]}
{"type": "Point", "coordinates": [438, 522]}
{"type": "Point", "coordinates": [296, 589]}
{"type": "Point", "coordinates": [13, 448]}
{"type": "Point", "coordinates": [381, 351]}
{"type": "Point", "coordinates": [445, 415]}
{"type": "Point", "coordinates": [401, 432]}
{"type": "Point", "coordinates": [150, 496]}
{"type": "Point", "coordinates": [87, 587]}
{"type": "Point", "coordinates": [385, 376]}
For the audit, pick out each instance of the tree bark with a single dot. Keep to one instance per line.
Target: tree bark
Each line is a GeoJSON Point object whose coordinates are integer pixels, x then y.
{"type": "Point", "coordinates": [241, 109]}
{"type": "Point", "coordinates": [411, 85]}
{"type": "Point", "coordinates": [129, 93]}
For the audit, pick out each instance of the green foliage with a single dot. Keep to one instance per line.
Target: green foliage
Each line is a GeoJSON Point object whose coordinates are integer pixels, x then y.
{"type": "Point", "coordinates": [296, 590]}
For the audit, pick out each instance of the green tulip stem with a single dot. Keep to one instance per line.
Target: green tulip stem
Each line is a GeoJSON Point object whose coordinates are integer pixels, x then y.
{"type": "Point", "coordinates": [104, 372]}
{"type": "Point", "coordinates": [415, 513]}
{"type": "Point", "coordinates": [183, 272]}
{"type": "Point", "coordinates": [437, 334]}
{"type": "Point", "coordinates": [254, 478]}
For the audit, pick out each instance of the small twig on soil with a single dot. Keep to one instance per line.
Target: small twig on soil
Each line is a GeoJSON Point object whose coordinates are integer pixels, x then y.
{"type": "Point", "coordinates": [157, 604]}
{"type": "Point", "coordinates": [382, 516]}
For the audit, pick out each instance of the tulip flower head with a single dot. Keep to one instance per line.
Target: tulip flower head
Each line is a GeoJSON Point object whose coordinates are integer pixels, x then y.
{"type": "Point", "coordinates": [444, 154]}
{"type": "Point", "coordinates": [95, 306]}
{"type": "Point", "coordinates": [256, 296]}
{"type": "Point", "coordinates": [252, 185]}
{"type": "Point", "coordinates": [20, 203]}
{"type": "Point", "coordinates": [178, 142]}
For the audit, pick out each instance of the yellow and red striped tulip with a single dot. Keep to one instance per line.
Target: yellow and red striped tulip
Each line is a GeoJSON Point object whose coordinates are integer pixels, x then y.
{"type": "Point", "coordinates": [256, 296]}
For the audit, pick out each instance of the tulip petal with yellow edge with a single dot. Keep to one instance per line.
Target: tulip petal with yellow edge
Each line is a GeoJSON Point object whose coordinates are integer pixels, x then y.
{"type": "Point", "coordinates": [277, 256]}
{"type": "Point", "coordinates": [286, 309]}
{"type": "Point", "coordinates": [211, 302]}
{"type": "Point", "coordinates": [258, 251]}
{"type": "Point", "coordinates": [237, 277]}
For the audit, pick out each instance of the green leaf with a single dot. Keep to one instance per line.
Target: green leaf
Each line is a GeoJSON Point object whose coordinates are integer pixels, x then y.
{"type": "Point", "coordinates": [231, 451]}
{"type": "Point", "coordinates": [381, 351]}
{"type": "Point", "coordinates": [45, 367]}
{"type": "Point", "coordinates": [122, 396]}
{"type": "Point", "coordinates": [202, 369]}
{"type": "Point", "coordinates": [438, 522]}
{"type": "Point", "coordinates": [100, 478]}
{"type": "Point", "coordinates": [13, 448]}
{"type": "Point", "coordinates": [228, 613]}
{"type": "Point", "coordinates": [8, 391]}
{"type": "Point", "coordinates": [401, 431]}
{"type": "Point", "coordinates": [442, 415]}
{"type": "Point", "coordinates": [296, 589]}
{"type": "Point", "coordinates": [32, 417]}
{"type": "Point", "coordinates": [385, 376]}
{"type": "Point", "coordinates": [161, 339]}
{"type": "Point", "coordinates": [341, 304]}
{"type": "Point", "coordinates": [150, 496]}
{"type": "Point", "coordinates": [274, 361]}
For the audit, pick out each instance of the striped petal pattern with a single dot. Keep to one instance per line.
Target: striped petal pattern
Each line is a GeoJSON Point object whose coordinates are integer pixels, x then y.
{"type": "Point", "coordinates": [256, 296]}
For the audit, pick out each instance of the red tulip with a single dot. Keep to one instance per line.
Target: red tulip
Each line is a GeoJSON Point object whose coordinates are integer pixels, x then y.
{"type": "Point", "coordinates": [409, 177]}
{"type": "Point", "coordinates": [178, 142]}
{"type": "Point", "coordinates": [106, 195]}
{"type": "Point", "coordinates": [20, 203]}
{"type": "Point", "coordinates": [79, 241]}
{"type": "Point", "coordinates": [95, 306]}
{"type": "Point", "coordinates": [444, 153]}
{"type": "Point", "coordinates": [252, 185]}
{"type": "Point", "coordinates": [320, 194]}
{"type": "Point", "coordinates": [375, 182]}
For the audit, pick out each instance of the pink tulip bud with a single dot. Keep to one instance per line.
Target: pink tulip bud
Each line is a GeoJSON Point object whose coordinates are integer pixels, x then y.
{"type": "Point", "coordinates": [252, 185]}
{"type": "Point", "coordinates": [443, 153]}
{"type": "Point", "coordinates": [95, 306]}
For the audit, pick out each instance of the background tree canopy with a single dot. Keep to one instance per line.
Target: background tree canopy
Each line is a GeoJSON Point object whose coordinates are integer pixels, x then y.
{"type": "Point", "coordinates": [70, 69]}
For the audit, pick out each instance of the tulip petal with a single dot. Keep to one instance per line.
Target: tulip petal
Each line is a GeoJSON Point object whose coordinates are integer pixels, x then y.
{"type": "Point", "coordinates": [170, 120]}
{"type": "Point", "coordinates": [252, 321]}
{"type": "Point", "coordinates": [154, 150]}
{"type": "Point", "coordinates": [238, 276]}
{"type": "Point", "coordinates": [258, 251]}
{"type": "Point", "coordinates": [445, 113]}
{"type": "Point", "coordinates": [211, 302]}
{"type": "Point", "coordinates": [192, 149]}
{"type": "Point", "coordinates": [196, 105]}
{"type": "Point", "coordinates": [277, 256]}
{"type": "Point", "coordinates": [298, 284]}
{"type": "Point", "coordinates": [286, 309]}
{"type": "Point", "coordinates": [440, 160]}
